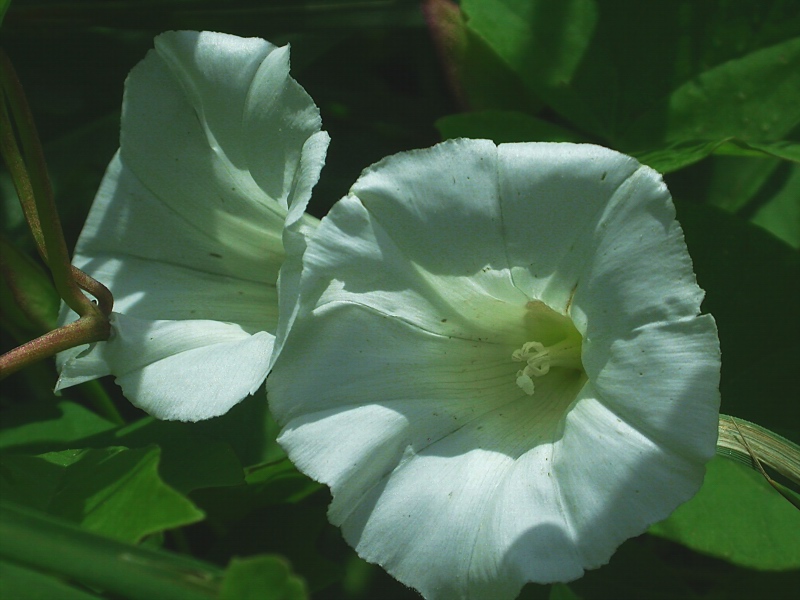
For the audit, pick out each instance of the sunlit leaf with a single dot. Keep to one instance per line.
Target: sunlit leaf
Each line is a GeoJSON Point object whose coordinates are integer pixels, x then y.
{"type": "Point", "coordinates": [785, 149]}
{"type": "Point", "coordinates": [114, 491]}
{"type": "Point", "coordinates": [261, 578]}
{"type": "Point", "coordinates": [678, 155]}
{"type": "Point", "coordinates": [763, 86]}
{"type": "Point", "coordinates": [640, 74]}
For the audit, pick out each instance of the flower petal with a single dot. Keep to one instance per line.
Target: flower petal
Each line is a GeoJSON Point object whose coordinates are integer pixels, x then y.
{"type": "Point", "coordinates": [298, 230]}
{"type": "Point", "coordinates": [663, 381]}
{"type": "Point", "coordinates": [176, 370]}
{"type": "Point", "coordinates": [416, 456]}
{"type": "Point", "coordinates": [397, 384]}
{"type": "Point", "coordinates": [354, 244]}
{"type": "Point", "coordinates": [639, 271]}
{"type": "Point", "coordinates": [220, 149]}
{"type": "Point", "coordinates": [552, 196]}
{"type": "Point", "coordinates": [382, 355]}
{"type": "Point", "coordinates": [161, 267]}
{"type": "Point", "coordinates": [635, 481]}
{"type": "Point", "coordinates": [230, 123]}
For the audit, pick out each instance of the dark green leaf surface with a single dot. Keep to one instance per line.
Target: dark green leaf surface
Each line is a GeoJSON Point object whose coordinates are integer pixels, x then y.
{"type": "Point", "coordinates": [22, 583]}
{"type": "Point", "coordinates": [651, 568]}
{"type": "Point", "coordinates": [781, 214]}
{"type": "Point", "coordinates": [750, 279]}
{"type": "Point", "coordinates": [763, 85]}
{"type": "Point", "coordinates": [28, 300]}
{"type": "Point", "coordinates": [53, 546]}
{"type": "Point", "coordinates": [640, 74]}
{"type": "Point", "coordinates": [271, 483]}
{"type": "Point", "coordinates": [38, 427]}
{"type": "Point", "coordinates": [504, 126]}
{"type": "Point", "coordinates": [261, 578]}
{"type": "Point", "coordinates": [738, 516]}
{"type": "Point", "coordinates": [114, 491]}
{"type": "Point", "coordinates": [477, 76]}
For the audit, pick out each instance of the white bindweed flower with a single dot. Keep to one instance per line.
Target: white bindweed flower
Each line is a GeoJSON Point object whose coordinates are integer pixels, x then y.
{"type": "Point", "coordinates": [498, 364]}
{"type": "Point", "coordinates": [196, 216]}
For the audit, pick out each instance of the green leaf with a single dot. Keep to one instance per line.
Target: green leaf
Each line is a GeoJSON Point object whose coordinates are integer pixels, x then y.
{"type": "Point", "coordinates": [678, 155]}
{"type": "Point", "coordinates": [477, 76]}
{"type": "Point", "coordinates": [22, 583]}
{"type": "Point", "coordinates": [785, 149]}
{"type": "Point", "coordinates": [28, 302]}
{"type": "Point", "coordinates": [781, 214]}
{"type": "Point", "coordinates": [561, 591]}
{"type": "Point", "coordinates": [544, 43]}
{"type": "Point", "coordinates": [116, 492]}
{"type": "Point", "coordinates": [4, 4]}
{"type": "Point", "coordinates": [193, 455]}
{"type": "Point", "coordinates": [272, 483]}
{"type": "Point", "coordinates": [736, 181]}
{"type": "Point", "coordinates": [190, 460]}
{"type": "Point", "coordinates": [753, 98]}
{"type": "Point", "coordinates": [42, 426]}
{"type": "Point", "coordinates": [300, 532]}
{"type": "Point", "coordinates": [639, 74]}
{"type": "Point", "coordinates": [737, 516]}
{"type": "Point", "coordinates": [653, 568]}
{"type": "Point", "coordinates": [261, 578]}
{"type": "Point", "coordinates": [750, 279]}
{"type": "Point", "coordinates": [759, 181]}
{"type": "Point", "coordinates": [53, 546]}
{"type": "Point", "coordinates": [503, 126]}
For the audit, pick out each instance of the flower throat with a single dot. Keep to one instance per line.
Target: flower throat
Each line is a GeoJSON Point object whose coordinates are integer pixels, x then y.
{"type": "Point", "coordinates": [558, 344]}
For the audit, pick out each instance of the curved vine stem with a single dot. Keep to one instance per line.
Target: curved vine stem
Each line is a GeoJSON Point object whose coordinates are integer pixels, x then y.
{"type": "Point", "coordinates": [29, 172]}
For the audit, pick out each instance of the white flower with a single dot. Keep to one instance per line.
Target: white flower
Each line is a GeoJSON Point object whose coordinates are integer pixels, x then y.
{"type": "Point", "coordinates": [498, 364]}
{"type": "Point", "coordinates": [219, 150]}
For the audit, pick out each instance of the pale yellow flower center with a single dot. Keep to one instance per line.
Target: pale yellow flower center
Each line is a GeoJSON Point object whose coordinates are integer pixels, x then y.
{"type": "Point", "coordinates": [540, 358]}
{"type": "Point", "coordinates": [555, 343]}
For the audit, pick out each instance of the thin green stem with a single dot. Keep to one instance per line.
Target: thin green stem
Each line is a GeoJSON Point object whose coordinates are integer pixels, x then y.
{"type": "Point", "coordinates": [30, 170]}
{"type": "Point", "coordinates": [19, 175]}
{"type": "Point", "coordinates": [43, 543]}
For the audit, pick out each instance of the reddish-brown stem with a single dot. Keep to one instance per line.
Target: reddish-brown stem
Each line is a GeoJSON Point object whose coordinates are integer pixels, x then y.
{"type": "Point", "coordinates": [93, 327]}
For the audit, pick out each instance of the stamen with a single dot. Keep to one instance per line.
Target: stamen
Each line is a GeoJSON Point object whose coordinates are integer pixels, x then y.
{"type": "Point", "coordinates": [540, 358]}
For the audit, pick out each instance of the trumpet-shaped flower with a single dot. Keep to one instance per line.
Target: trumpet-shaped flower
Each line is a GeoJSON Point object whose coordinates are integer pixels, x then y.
{"type": "Point", "coordinates": [196, 216]}
{"type": "Point", "coordinates": [498, 364]}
